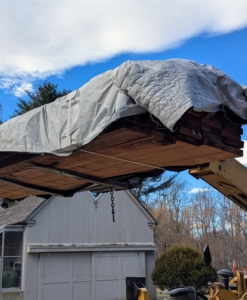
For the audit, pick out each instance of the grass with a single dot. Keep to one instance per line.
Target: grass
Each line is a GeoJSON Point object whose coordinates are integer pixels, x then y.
{"type": "Point", "coordinates": [159, 295]}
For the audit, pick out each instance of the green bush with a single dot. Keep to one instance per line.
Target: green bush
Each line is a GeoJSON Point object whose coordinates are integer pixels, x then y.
{"type": "Point", "coordinates": [182, 266]}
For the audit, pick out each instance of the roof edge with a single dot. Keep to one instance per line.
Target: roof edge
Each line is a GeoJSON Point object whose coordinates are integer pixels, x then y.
{"type": "Point", "coordinates": [142, 207]}
{"type": "Point", "coordinates": [46, 201]}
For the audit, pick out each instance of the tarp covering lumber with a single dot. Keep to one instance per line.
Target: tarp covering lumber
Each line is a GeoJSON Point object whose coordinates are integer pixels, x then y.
{"type": "Point", "coordinates": [166, 89]}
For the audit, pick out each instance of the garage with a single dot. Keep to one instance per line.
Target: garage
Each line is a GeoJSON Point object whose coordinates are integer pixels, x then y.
{"type": "Point", "coordinates": [70, 248]}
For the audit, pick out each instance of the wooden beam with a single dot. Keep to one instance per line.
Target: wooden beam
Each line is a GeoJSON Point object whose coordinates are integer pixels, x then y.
{"type": "Point", "coordinates": [15, 158]}
{"type": "Point", "coordinates": [82, 176]}
{"type": "Point", "coordinates": [97, 189]}
{"type": "Point", "coordinates": [82, 188]}
{"type": "Point", "coordinates": [33, 187]}
{"type": "Point", "coordinates": [100, 189]}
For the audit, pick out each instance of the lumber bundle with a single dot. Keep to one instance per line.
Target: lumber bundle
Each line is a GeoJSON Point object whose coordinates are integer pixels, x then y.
{"type": "Point", "coordinates": [127, 151]}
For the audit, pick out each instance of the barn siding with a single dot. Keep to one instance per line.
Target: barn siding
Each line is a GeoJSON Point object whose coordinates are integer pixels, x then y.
{"type": "Point", "coordinates": [73, 220]}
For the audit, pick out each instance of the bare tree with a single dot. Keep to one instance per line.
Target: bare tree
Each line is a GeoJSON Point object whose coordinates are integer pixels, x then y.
{"type": "Point", "coordinates": [197, 220]}
{"type": "Point", "coordinates": [168, 207]}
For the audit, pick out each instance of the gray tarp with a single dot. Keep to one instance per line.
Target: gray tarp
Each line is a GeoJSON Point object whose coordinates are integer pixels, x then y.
{"type": "Point", "coordinates": [166, 89]}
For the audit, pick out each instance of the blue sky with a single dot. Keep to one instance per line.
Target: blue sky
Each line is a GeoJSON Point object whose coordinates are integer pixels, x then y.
{"type": "Point", "coordinates": [69, 42]}
{"type": "Point", "coordinates": [226, 51]}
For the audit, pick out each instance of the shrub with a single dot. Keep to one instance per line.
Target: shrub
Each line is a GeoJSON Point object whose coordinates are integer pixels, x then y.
{"type": "Point", "coordinates": [182, 266]}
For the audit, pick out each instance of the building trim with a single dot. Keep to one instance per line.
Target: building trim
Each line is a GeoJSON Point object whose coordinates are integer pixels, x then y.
{"type": "Point", "coordinates": [41, 248]}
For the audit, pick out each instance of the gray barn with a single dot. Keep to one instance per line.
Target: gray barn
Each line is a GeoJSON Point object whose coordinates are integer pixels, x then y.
{"type": "Point", "coordinates": [70, 249]}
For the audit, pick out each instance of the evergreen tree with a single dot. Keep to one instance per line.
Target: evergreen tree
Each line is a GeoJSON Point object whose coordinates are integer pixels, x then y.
{"type": "Point", "coordinates": [151, 186]}
{"type": "Point", "coordinates": [46, 93]}
{"type": "Point", "coordinates": [182, 266]}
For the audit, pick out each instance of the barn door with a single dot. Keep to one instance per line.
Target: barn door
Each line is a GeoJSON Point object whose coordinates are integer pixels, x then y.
{"type": "Point", "coordinates": [65, 276]}
{"type": "Point", "coordinates": [79, 276]}
{"type": "Point", "coordinates": [110, 271]}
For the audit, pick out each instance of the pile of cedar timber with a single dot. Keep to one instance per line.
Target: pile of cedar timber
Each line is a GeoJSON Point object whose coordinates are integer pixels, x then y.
{"type": "Point", "coordinates": [128, 151]}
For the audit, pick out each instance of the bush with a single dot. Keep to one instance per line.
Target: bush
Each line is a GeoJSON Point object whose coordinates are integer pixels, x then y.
{"type": "Point", "coordinates": [182, 266]}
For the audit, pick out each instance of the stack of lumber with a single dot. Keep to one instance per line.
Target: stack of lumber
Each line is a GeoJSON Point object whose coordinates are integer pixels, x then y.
{"type": "Point", "coordinates": [127, 151]}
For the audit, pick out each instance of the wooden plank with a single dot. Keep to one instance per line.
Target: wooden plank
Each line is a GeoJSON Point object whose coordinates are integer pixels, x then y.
{"type": "Point", "coordinates": [205, 153]}
{"type": "Point", "coordinates": [233, 142]}
{"type": "Point", "coordinates": [185, 131]}
{"type": "Point", "coordinates": [212, 122]}
{"type": "Point", "coordinates": [155, 153]}
{"type": "Point", "coordinates": [101, 189]}
{"type": "Point", "coordinates": [165, 155]}
{"type": "Point", "coordinates": [233, 127]}
{"type": "Point", "coordinates": [27, 174]}
{"type": "Point", "coordinates": [62, 183]}
{"type": "Point", "coordinates": [9, 189]}
{"type": "Point", "coordinates": [68, 162]}
{"type": "Point", "coordinates": [117, 150]}
{"type": "Point", "coordinates": [4, 155]}
{"type": "Point", "coordinates": [190, 121]}
{"type": "Point", "coordinates": [31, 187]}
{"type": "Point", "coordinates": [86, 158]}
{"type": "Point", "coordinates": [38, 173]}
{"type": "Point", "coordinates": [110, 169]}
{"type": "Point", "coordinates": [189, 140]}
{"type": "Point", "coordinates": [211, 129]}
{"type": "Point", "coordinates": [13, 192]}
{"type": "Point", "coordinates": [213, 137]}
{"type": "Point", "coordinates": [144, 120]}
{"type": "Point", "coordinates": [125, 123]}
{"type": "Point", "coordinates": [113, 138]}
{"type": "Point", "coordinates": [81, 176]}
{"type": "Point", "coordinates": [85, 187]}
{"type": "Point", "coordinates": [135, 145]}
{"type": "Point", "coordinates": [172, 154]}
{"type": "Point", "coordinates": [161, 156]}
{"type": "Point", "coordinates": [121, 158]}
{"type": "Point", "coordinates": [237, 152]}
{"type": "Point", "coordinates": [72, 191]}
{"type": "Point", "coordinates": [51, 159]}
{"type": "Point", "coordinates": [112, 161]}
{"type": "Point", "coordinates": [231, 134]}
{"type": "Point", "coordinates": [15, 159]}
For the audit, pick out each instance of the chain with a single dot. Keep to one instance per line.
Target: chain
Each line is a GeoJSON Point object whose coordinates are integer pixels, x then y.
{"type": "Point", "coordinates": [112, 205]}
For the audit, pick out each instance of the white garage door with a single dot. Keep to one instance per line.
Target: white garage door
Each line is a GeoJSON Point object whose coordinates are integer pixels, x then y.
{"type": "Point", "coordinates": [111, 270]}
{"type": "Point", "coordinates": [65, 276]}
{"type": "Point", "coordinates": [88, 276]}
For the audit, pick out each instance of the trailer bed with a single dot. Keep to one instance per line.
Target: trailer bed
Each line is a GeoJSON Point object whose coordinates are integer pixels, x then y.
{"type": "Point", "coordinates": [125, 153]}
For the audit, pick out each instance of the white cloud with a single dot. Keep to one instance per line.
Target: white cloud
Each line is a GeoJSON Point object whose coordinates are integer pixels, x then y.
{"type": "Point", "coordinates": [198, 190]}
{"type": "Point", "coordinates": [6, 83]}
{"type": "Point", "coordinates": [17, 85]}
{"type": "Point", "coordinates": [46, 37]}
{"type": "Point", "coordinates": [20, 90]}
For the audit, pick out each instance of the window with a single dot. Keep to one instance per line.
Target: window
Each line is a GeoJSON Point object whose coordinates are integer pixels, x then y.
{"type": "Point", "coordinates": [95, 195]}
{"type": "Point", "coordinates": [11, 245]}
